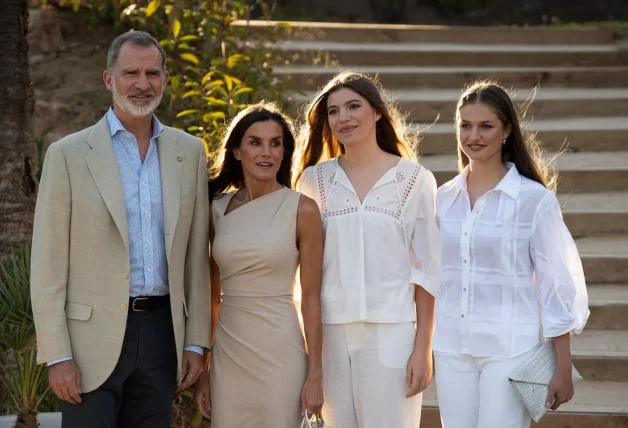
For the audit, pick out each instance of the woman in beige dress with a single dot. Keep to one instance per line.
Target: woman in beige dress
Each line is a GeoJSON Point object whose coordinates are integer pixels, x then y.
{"type": "Point", "coordinates": [261, 374]}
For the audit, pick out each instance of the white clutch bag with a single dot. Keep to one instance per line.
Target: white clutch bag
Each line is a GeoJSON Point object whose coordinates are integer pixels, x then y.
{"type": "Point", "coordinates": [313, 421]}
{"type": "Point", "coordinates": [531, 380]}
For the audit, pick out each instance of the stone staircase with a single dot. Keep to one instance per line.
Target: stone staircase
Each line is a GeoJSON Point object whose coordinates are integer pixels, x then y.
{"type": "Point", "coordinates": [582, 105]}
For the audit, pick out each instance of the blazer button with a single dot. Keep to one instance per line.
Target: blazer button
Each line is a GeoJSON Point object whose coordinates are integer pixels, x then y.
{"type": "Point", "coordinates": [123, 307]}
{"type": "Point", "coordinates": [127, 275]}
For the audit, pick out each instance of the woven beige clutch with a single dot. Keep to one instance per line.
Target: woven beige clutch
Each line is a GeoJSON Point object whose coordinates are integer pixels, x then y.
{"type": "Point", "coordinates": [531, 380]}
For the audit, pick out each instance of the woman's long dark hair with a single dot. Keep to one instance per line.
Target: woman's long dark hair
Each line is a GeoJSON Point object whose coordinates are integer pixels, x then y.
{"type": "Point", "coordinates": [521, 148]}
{"type": "Point", "coordinates": [317, 143]}
{"type": "Point", "coordinates": [226, 171]}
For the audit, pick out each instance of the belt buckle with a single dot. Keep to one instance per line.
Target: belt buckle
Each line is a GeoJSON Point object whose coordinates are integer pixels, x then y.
{"type": "Point", "coordinates": [133, 304]}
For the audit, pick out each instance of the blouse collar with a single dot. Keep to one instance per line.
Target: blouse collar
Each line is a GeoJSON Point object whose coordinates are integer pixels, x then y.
{"type": "Point", "coordinates": [509, 184]}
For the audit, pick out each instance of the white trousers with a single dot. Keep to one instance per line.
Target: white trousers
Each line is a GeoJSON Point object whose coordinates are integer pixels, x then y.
{"type": "Point", "coordinates": [474, 392]}
{"type": "Point", "coordinates": [364, 376]}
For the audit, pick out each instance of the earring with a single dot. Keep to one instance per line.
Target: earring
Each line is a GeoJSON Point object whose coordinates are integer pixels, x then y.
{"type": "Point", "coordinates": [504, 142]}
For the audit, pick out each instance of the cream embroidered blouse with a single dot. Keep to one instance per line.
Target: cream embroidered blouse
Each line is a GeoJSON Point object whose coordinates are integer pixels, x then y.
{"type": "Point", "coordinates": [377, 250]}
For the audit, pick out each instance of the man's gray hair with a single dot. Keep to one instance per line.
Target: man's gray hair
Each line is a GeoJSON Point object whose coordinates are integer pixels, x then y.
{"type": "Point", "coordinates": [136, 38]}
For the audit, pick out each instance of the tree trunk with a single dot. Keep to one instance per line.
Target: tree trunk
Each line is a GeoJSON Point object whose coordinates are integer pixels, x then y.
{"type": "Point", "coordinates": [26, 419]}
{"type": "Point", "coordinates": [19, 158]}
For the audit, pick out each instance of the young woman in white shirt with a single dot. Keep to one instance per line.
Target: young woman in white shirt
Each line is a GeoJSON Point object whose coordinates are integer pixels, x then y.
{"type": "Point", "coordinates": [511, 275]}
{"type": "Point", "coordinates": [381, 258]}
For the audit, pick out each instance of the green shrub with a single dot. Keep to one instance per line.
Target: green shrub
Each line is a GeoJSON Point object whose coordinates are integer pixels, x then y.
{"type": "Point", "coordinates": [216, 68]}
{"type": "Point", "coordinates": [23, 379]}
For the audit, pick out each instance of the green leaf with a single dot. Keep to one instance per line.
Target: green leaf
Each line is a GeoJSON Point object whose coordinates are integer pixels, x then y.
{"type": "Point", "coordinates": [193, 128]}
{"type": "Point", "coordinates": [207, 77]}
{"type": "Point", "coordinates": [190, 58]}
{"type": "Point", "coordinates": [243, 91]}
{"type": "Point", "coordinates": [152, 8]}
{"type": "Point", "coordinates": [213, 116]}
{"type": "Point", "coordinates": [187, 112]}
{"type": "Point", "coordinates": [176, 28]}
{"type": "Point", "coordinates": [175, 81]}
{"type": "Point", "coordinates": [216, 101]}
{"type": "Point", "coordinates": [191, 84]}
{"type": "Point", "coordinates": [215, 84]}
{"type": "Point", "coordinates": [233, 60]}
{"type": "Point", "coordinates": [189, 38]}
{"type": "Point", "coordinates": [191, 93]}
{"type": "Point", "coordinates": [229, 82]}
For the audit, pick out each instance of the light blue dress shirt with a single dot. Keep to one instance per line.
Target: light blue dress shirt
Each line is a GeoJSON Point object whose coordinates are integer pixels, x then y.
{"type": "Point", "coordinates": [143, 197]}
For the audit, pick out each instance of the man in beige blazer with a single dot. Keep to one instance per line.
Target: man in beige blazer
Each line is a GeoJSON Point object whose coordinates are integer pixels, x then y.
{"type": "Point", "coordinates": [119, 263]}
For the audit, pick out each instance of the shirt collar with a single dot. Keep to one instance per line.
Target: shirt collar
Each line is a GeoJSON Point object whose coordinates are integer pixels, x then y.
{"type": "Point", "coordinates": [115, 125]}
{"type": "Point", "coordinates": [509, 184]}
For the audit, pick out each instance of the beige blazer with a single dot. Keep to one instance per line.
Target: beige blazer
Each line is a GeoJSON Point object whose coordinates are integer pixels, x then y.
{"type": "Point", "coordinates": [80, 259]}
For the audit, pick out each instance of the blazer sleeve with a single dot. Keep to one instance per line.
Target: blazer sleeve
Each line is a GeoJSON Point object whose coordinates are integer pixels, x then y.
{"type": "Point", "coordinates": [50, 258]}
{"type": "Point", "coordinates": [196, 275]}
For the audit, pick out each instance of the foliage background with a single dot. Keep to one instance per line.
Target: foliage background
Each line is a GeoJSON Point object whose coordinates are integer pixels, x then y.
{"type": "Point", "coordinates": [216, 68]}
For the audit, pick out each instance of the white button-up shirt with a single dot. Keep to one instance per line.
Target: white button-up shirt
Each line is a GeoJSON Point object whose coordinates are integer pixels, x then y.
{"type": "Point", "coordinates": [511, 274]}
{"type": "Point", "coordinates": [377, 250]}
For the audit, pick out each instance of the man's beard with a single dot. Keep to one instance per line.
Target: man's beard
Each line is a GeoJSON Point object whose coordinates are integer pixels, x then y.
{"type": "Point", "coordinates": [135, 108]}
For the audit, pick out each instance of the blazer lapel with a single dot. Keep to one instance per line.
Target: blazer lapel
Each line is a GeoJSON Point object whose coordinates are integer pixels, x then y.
{"type": "Point", "coordinates": [103, 166]}
{"type": "Point", "coordinates": [171, 165]}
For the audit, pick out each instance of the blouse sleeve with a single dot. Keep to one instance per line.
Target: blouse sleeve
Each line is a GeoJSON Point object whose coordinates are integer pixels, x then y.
{"type": "Point", "coordinates": [560, 286]}
{"type": "Point", "coordinates": [304, 184]}
{"type": "Point", "coordinates": [425, 241]}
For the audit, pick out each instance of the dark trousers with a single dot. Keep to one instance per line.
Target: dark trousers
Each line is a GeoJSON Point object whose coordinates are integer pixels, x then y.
{"type": "Point", "coordinates": [140, 391]}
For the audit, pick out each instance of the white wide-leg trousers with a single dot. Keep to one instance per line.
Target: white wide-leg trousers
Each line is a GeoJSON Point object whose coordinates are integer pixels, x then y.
{"type": "Point", "coordinates": [364, 376]}
{"type": "Point", "coordinates": [474, 392]}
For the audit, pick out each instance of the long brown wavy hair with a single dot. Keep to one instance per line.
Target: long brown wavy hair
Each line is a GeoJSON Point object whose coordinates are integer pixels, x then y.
{"type": "Point", "coordinates": [318, 144]}
{"type": "Point", "coordinates": [226, 171]}
{"type": "Point", "coordinates": [521, 147]}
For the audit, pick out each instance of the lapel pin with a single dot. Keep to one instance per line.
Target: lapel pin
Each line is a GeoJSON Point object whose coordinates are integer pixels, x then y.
{"type": "Point", "coordinates": [179, 158]}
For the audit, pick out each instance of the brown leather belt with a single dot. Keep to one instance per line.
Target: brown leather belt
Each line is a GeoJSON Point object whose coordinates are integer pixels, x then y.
{"type": "Point", "coordinates": [148, 303]}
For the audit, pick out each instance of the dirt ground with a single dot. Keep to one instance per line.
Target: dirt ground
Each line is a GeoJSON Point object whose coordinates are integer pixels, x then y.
{"type": "Point", "coordinates": [69, 91]}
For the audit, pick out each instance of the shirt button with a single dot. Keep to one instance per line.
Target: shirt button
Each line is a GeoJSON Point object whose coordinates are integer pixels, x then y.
{"type": "Point", "coordinates": [477, 211]}
{"type": "Point", "coordinates": [123, 307]}
{"type": "Point", "coordinates": [465, 234]}
{"type": "Point", "coordinates": [462, 316]}
{"type": "Point", "coordinates": [465, 260]}
{"type": "Point", "coordinates": [127, 275]}
{"type": "Point", "coordinates": [464, 289]}
{"type": "Point", "coordinates": [149, 269]}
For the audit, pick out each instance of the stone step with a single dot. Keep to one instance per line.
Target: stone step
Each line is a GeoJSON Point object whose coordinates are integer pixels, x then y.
{"type": "Point", "coordinates": [424, 105]}
{"type": "Point", "coordinates": [450, 54]}
{"type": "Point", "coordinates": [599, 213]}
{"type": "Point", "coordinates": [576, 134]}
{"type": "Point", "coordinates": [601, 355]}
{"type": "Point", "coordinates": [605, 259]}
{"type": "Point", "coordinates": [594, 405]}
{"type": "Point", "coordinates": [584, 172]}
{"type": "Point", "coordinates": [609, 307]}
{"type": "Point", "coordinates": [312, 77]}
{"type": "Point", "coordinates": [387, 33]}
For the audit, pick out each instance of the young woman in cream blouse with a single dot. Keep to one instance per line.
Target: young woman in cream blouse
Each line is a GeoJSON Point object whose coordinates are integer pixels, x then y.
{"type": "Point", "coordinates": [381, 258]}
{"type": "Point", "coordinates": [511, 275]}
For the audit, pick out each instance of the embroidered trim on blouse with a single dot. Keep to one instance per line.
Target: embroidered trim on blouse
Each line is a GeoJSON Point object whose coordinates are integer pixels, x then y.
{"type": "Point", "coordinates": [321, 188]}
{"type": "Point", "coordinates": [341, 212]}
{"type": "Point", "coordinates": [395, 214]}
{"type": "Point", "coordinates": [410, 185]}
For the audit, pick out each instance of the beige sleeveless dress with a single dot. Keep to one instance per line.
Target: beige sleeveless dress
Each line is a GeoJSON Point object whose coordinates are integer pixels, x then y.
{"type": "Point", "coordinates": [258, 363]}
